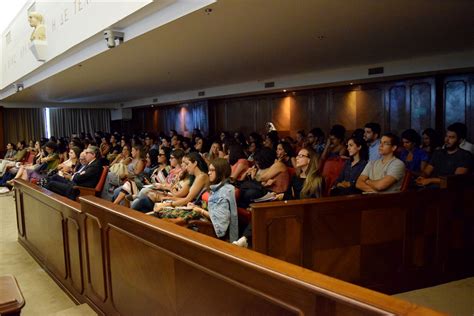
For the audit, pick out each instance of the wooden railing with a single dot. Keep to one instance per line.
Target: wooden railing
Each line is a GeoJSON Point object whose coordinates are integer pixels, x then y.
{"type": "Point", "coordinates": [387, 242]}
{"type": "Point", "coordinates": [122, 262]}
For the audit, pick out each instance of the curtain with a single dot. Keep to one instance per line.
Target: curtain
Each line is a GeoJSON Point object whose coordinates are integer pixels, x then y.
{"type": "Point", "coordinates": [185, 117]}
{"type": "Point", "coordinates": [23, 124]}
{"type": "Point", "coordinates": [65, 122]}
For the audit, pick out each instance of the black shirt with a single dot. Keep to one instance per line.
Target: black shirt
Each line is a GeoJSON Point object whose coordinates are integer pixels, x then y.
{"type": "Point", "coordinates": [445, 164]}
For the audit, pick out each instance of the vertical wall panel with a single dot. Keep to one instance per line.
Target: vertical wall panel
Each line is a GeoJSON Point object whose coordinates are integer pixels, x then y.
{"type": "Point", "coordinates": [455, 101]}
{"type": "Point", "coordinates": [264, 113]}
{"type": "Point", "coordinates": [343, 109]}
{"type": "Point", "coordinates": [320, 109]}
{"type": "Point", "coordinates": [370, 107]}
{"type": "Point", "coordinates": [281, 112]}
{"type": "Point", "coordinates": [420, 99]}
{"type": "Point", "coordinates": [300, 110]}
{"type": "Point", "coordinates": [399, 114]}
{"type": "Point", "coordinates": [470, 113]}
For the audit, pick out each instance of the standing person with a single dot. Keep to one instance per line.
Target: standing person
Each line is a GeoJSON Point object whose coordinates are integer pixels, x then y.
{"type": "Point", "coordinates": [371, 136]}
{"type": "Point", "coordinates": [385, 174]}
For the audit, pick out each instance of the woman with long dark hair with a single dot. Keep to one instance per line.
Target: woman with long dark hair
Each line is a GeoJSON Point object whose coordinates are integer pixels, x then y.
{"type": "Point", "coordinates": [359, 156]}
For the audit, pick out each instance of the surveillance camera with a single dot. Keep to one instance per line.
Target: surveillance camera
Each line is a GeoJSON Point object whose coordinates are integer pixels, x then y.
{"type": "Point", "coordinates": [18, 87]}
{"type": "Point", "coordinates": [111, 37]}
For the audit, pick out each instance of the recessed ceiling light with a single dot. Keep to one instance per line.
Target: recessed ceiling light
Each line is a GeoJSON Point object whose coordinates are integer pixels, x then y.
{"type": "Point", "coordinates": [351, 83]}
{"type": "Point", "coordinates": [208, 11]}
{"type": "Point", "coordinates": [284, 90]}
{"type": "Point", "coordinates": [321, 37]}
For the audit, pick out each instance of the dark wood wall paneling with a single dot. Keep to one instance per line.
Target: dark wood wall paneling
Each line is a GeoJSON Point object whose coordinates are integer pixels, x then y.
{"type": "Point", "coordinates": [396, 106]}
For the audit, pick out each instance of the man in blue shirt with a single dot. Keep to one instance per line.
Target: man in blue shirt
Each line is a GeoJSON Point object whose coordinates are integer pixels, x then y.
{"type": "Point", "coordinates": [371, 136]}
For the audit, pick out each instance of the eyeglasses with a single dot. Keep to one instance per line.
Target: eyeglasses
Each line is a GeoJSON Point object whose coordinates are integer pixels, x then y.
{"type": "Point", "coordinates": [302, 156]}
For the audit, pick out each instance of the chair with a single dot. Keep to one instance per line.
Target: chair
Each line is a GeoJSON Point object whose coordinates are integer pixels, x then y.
{"type": "Point", "coordinates": [407, 178]}
{"type": "Point", "coordinates": [83, 191]}
{"type": "Point", "coordinates": [331, 170]}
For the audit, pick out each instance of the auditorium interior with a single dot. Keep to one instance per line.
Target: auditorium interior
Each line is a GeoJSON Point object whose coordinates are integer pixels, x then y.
{"type": "Point", "coordinates": [138, 70]}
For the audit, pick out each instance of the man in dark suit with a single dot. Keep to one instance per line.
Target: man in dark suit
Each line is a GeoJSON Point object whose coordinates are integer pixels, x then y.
{"type": "Point", "coordinates": [87, 176]}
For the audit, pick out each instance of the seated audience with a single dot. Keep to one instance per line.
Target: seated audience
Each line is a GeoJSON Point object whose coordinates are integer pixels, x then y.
{"type": "Point", "coordinates": [412, 155]}
{"type": "Point", "coordinates": [221, 207]}
{"type": "Point", "coordinates": [285, 154]}
{"type": "Point", "coordinates": [197, 167]}
{"type": "Point", "coordinates": [335, 144]}
{"type": "Point", "coordinates": [48, 162]}
{"type": "Point", "coordinates": [430, 141]}
{"type": "Point", "coordinates": [69, 166]}
{"type": "Point", "coordinates": [87, 176]}
{"type": "Point", "coordinates": [464, 144]}
{"type": "Point", "coordinates": [308, 182]}
{"type": "Point", "coordinates": [385, 174]}
{"type": "Point", "coordinates": [268, 175]}
{"type": "Point", "coordinates": [134, 169]}
{"type": "Point", "coordinates": [13, 156]}
{"type": "Point", "coordinates": [117, 172]}
{"type": "Point", "coordinates": [372, 137]}
{"type": "Point", "coordinates": [315, 140]}
{"type": "Point", "coordinates": [359, 155]}
{"type": "Point", "coordinates": [450, 160]}
{"type": "Point", "coordinates": [238, 162]}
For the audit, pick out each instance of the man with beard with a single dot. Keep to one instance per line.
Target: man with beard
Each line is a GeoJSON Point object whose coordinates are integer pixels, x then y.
{"type": "Point", "coordinates": [450, 160]}
{"type": "Point", "coordinates": [372, 137]}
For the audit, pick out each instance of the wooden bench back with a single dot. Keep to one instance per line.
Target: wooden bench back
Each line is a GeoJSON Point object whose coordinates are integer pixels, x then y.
{"type": "Point", "coordinates": [123, 262]}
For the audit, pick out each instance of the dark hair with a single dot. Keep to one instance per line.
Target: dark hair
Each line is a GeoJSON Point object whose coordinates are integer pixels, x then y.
{"type": "Point", "coordinates": [364, 149]}
{"type": "Point", "coordinates": [301, 132]}
{"type": "Point", "coordinates": [223, 170]}
{"type": "Point", "coordinates": [274, 138]}
{"type": "Point", "coordinates": [257, 137]}
{"type": "Point", "coordinates": [459, 128]}
{"type": "Point", "coordinates": [167, 151]}
{"type": "Point", "coordinates": [76, 151]}
{"type": "Point", "coordinates": [359, 133]}
{"type": "Point", "coordinates": [434, 138]}
{"type": "Point", "coordinates": [168, 139]}
{"type": "Point", "coordinates": [287, 148]}
{"type": "Point", "coordinates": [201, 163]}
{"type": "Point", "coordinates": [51, 145]}
{"type": "Point", "coordinates": [264, 157]}
{"type": "Point", "coordinates": [235, 153]}
{"type": "Point", "coordinates": [153, 153]}
{"type": "Point", "coordinates": [317, 133]}
{"type": "Point", "coordinates": [13, 145]}
{"type": "Point", "coordinates": [375, 127]}
{"type": "Point", "coordinates": [23, 143]}
{"type": "Point", "coordinates": [394, 140]}
{"type": "Point", "coordinates": [412, 136]}
{"type": "Point", "coordinates": [178, 154]}
{"type": "Point", "coordinates": [338, 131]}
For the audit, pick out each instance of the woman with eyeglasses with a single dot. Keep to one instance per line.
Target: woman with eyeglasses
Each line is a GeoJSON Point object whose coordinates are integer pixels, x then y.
{"type": "Point", "coordinates": [197, 167]}
{"type": "Point", "coordinates": [221, 207]}
{"type": "Point", "coordinates": [307, 182]}
{"type": "Point", "coordinates": [176, 183]}
{"type": "Point", "coordinates": [359, 156]}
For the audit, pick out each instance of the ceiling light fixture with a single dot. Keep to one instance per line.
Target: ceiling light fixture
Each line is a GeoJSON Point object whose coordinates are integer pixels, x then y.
{"type": "Point", "coordinates": [208, 11]}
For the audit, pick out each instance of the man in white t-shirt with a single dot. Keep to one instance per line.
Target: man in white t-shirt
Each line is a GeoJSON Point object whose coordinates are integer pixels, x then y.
{"type": "Point", "coordinates": [385, 174]}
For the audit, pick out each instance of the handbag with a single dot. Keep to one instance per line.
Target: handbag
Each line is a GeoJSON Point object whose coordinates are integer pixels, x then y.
{"type": "Point", "coordinates": [120, 169]}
